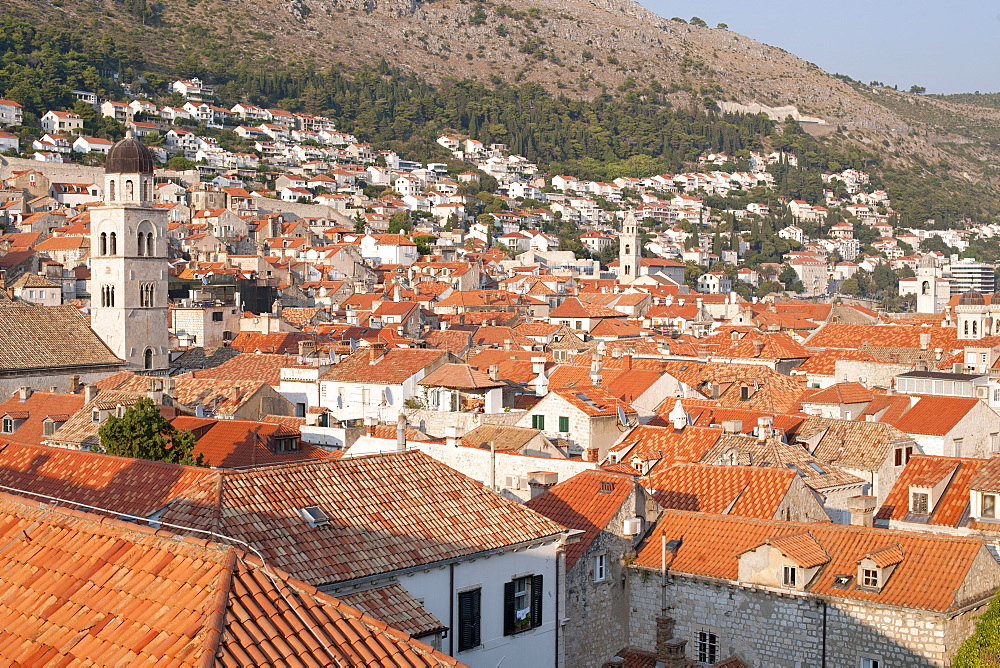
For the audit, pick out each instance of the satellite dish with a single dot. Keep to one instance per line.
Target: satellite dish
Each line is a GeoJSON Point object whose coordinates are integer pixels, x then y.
{"type": "Point", "coordinates": [622, 418]}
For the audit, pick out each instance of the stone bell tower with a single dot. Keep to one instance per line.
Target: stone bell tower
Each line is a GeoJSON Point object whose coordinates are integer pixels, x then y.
{"type": "Point", "coordinates": [629, 249]}
{"type": "Point", "coordinates": [128, 265]}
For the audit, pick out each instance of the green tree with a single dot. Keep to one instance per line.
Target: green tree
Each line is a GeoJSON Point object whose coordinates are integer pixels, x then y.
{"type": "Point", "coordinates": [399, 223]}
{"type": "Point", "coordinates": [142, 433]}
{"type": "Point", "coordinates": [788, 276]}
{"type": "Point", "coordinates": [180, 163]}
{"type": "Point", "coordinates": [695, 21]}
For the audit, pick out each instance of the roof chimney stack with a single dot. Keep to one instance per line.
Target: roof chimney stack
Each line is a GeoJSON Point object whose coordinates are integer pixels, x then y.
{"type": "Point", "coordinates": [375, 352]}
{"type": "Point", "coordinates": [23, 393]}
{"type": "Point", "coordinates": [90, 393]}
{"type": "Point", "coordinates": [494, 372]}
{"type": "Point", "coordinates": [862, 510]}
{"type": "Point", "coordinates": [401, 433]}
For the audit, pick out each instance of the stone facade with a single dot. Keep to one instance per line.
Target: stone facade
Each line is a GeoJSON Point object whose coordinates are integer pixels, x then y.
{"type": "Point", "coordinates": [787, 629]}
{"type": "Point", "coordinates": [598, 612]}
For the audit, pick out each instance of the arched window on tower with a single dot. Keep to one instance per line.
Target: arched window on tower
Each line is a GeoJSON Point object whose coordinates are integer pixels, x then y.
{"type": "Point", "coordinates": [111, 190]}
{"type": "Point", "coordinates": [966, 327]}
{"type": "Point", "coordinates": [103, 250]}
{"type": "Point", "coordinates": [129, 190]}
{"type": "Point", "coordinates": [147, 359]}
{"type": "Point", "coordinates": [113, 243]}
{"type": "Point", "coordinates": [974, 328]}
{"type": "Point", "coordinates": [140, 244]}
{"type": "Point", "coordinates": [925, 288]}
{"type": "Point", "coordinates": [145, 190]}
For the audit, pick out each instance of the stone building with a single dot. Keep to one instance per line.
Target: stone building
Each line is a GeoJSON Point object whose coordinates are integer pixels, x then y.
{"type": "Point", "coordinates": [786, 594]}
{"type": "Point", "coordinates": [129, 261]}
{"type": "Point", "coordinates": [613, 513]}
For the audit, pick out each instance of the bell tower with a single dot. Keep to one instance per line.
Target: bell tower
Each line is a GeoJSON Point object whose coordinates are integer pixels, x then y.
{"type": "Point", "coordinates": [927, 285]}
{"type": "Point", "coordinates": [629, 250]}
{"type": "Point", "coordinates": [128, 265]}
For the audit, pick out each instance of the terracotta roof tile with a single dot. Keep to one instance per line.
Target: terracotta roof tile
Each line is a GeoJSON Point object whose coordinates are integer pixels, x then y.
{"type": "Point", "coordinates": [803, 548]}
{"type": "Point", "coordinates": [744, 491]}
{"type": "Point", "coordinates": [396, 607]}
{"type": "Point", "coordinates": [393, 367]}
{"type": "Point", "coordinates": [935, 415]}
{"type": "Point", "coordinates": [588, 502]}
{"type": "Point", "coordinates": [929, 577]}
{"type": "Point", "coordinates": [367, 499]}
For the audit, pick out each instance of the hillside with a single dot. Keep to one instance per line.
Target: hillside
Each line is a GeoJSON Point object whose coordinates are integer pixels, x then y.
{"type": "Point", "coordinates": [578, 49]}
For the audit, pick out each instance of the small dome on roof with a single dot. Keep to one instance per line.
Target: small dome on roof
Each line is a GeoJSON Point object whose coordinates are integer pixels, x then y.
{"type": "Point", "coordinates": [971, 298]}
{"type": "Point", "coordinates": [129, 156]}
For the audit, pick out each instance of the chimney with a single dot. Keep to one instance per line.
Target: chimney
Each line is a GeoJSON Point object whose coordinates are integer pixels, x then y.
{"type": "Point", "coordinates": [90, 393]}
{"type": "Point", "coordinates": [540, 482]}
{"type": "Point", "coordinates": [732, 426]}
{"type": "Point", "coordinates": [508, 344]}
{"type": "Point", "coordinates": [494, 372]}
{"type": "Point", "coordinates": [862, 510]}
{"type": "Point", "coordinates": [764, 427]}
{"type": "Point", "coordinates": [306, 348]}
{"type": "Point", "coordinates": [758, 348]}
{"type": "Point", "coordinates": [669, 650]}
{"type": "Point", "coordinates": [678, 416]}
{"type": "Point", "coordinates": [626, 362]}
{"type": "Point", "coordinates": [702, 350]}
{"type": "Point", "coordinates": [23, 393]}
{"type": "Point", "coordinates": [375, 352]}
{"type": "Point", "coordinates": [74, 383]}
{"type": "Point", "coordinates": [397, 294]}
{"type": "Point", "coordinates": [370, 423]}
{"type": "Point", "coordinates": [592, 455]}
{"type": "Point", "coordinates": [401, 433]}
{"type": "Point", "coordinates": [451, 436]}
{"type": "Point", "coordinates": [925, 341]}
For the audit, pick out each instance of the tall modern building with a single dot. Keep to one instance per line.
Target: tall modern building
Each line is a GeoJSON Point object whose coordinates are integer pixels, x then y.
{"type": "Point", "coordinates": [128, 263]}
{"type": "Point", "coordinates": [967, 274]}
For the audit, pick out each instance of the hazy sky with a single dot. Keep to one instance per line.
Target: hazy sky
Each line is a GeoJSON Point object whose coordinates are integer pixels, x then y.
{"type": "Point", "coordinates": [945, 48]}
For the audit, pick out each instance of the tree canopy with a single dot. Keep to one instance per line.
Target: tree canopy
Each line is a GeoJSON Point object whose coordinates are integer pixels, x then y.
{"type": "Point", "coordinates": [142, 433]}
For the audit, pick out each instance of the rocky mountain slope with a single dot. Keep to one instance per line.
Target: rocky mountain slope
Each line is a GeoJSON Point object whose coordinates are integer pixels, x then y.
{"type": "Point", "coordinates": [576, 48]}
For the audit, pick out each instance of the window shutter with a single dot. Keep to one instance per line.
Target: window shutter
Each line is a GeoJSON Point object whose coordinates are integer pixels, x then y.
{"type": "Point", "coordinates": [468, 619]}
{"type": "Point", "coordinates": [536, 600]}
{"type": "Point", "coordinates": [508, 608]}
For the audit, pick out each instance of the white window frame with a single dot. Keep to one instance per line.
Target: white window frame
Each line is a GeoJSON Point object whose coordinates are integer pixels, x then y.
{"type": "Point", "coordinates": [789, 575]}
{"type": "Point", "coordinates": [870, 662]}
{"type": "Point", "coordinates": [600, 567]}
{"type": "Point", "coordinates": [870, 578]}
{"type": "Point", "coordinates": [706, 643]}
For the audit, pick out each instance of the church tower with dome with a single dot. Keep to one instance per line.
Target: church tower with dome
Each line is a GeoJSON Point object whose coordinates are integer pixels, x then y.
{"type": "Point", "coordinates": [128, 261]}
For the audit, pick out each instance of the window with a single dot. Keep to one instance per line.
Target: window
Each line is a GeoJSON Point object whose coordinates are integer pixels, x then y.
{"type": "Point", "coordinates": [957, 444]}
{"type": "Point", "coordinates": [919, 503]}
{"type": "Point", "coordinates": [901, 456]}
{"type": "Point", "coordinates": [217, 316]}
{"type": "Point", "coordinates": [989, 505]}
{"type": "Point", "coordinates": [538, 422]}
{"type": "Point", "coordinates": [314, 515]}
{"type": "Point", "coordinates": [8, 425]}
{"type": "Point", "coordinates": [95, 416]}
{"type": "Point", "coordinates": [145, 295]}
{"type": "Point", "coordinates": [469, 603]}
{"type": "Point", "coordinates": [867, 662]}
{"type": "Point", "coordinates": [707, 646]}
{"type": "Point", "coordinates": [869, 578]}
{"type": "Point", "coordinates": [788, 575]}
{"type": "Point", "coordinates": [48, 427]}
{"type": "Point", "coordinates": [600, 567]}
{"type": "Point", "coordinates": [563, 424]}
{"type": "Point", "coordinates": [522, 604]}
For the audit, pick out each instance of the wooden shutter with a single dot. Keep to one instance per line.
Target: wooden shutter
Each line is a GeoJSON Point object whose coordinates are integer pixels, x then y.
{"type": "Point", "coordinates": [468, 619]}
{"type": "Point", "coordinates": [536, 600]}
{"type": "Point", "coordinates": [508, 608]}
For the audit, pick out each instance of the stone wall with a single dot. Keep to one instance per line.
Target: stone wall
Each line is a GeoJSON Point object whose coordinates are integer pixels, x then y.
{"type": "Point", "coordinates": [433, 423]}
{"type": "Point", "coordinates": [786, 630]}
{"type": "Point", "coordinates": [598, 612]}
{"type": "Point", "coordinates": [54, 171]}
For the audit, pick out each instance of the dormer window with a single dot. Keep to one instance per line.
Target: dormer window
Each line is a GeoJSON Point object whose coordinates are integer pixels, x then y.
{"type": "Point", "coordinates": [95, 416]}
{"type": "Point", "coordinates": [870, 578]}
{"type": "Point", "coordinates": [789, 576]}
{"type": "Point", "coordinates": [919, 503]}
{"type": "Point", "coordinates": [989, 505]}
{"type": "Point", "coordinates": [8, 425]}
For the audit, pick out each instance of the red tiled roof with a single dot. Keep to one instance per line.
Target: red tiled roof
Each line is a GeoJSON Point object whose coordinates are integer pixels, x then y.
{"type": "Point", "coordinates": [244, 443]}
{"type": "Point", "coordinates": [929, 577]}
{"type": "Point", "coordinates": [393, 367]}
{"type": "Point", "coordinates": [139, 596]}
{"type": "Point", "coordinates": [39, 405]}
{"type": "Point", "coordinates": [588, 502]}
{"type": "Point", "coordinates": [841, 393]}
{"type": "Point", "coordinates": [935, 415]}
{"type": "Point", "coordinates": [573, 307]}
{"type": "Point", "coordinates": [743, 491]}
{"type": "Point", "coordinates": [121, 485]}
{"type": "Point", "coordinates": [368, 500]}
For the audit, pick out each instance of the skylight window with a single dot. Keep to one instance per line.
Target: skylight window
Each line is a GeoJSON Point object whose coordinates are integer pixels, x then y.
{"type": "Point", "coordinates": [314, 515]}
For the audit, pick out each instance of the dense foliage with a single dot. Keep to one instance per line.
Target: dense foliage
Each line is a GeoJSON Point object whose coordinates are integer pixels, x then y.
{"type": "Point", "coordinates": [982, 648]}
{"type": "Point", "coordinates": [142, 433]}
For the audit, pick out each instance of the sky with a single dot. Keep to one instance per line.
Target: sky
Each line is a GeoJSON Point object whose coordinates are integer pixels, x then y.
{"type": "Point", "coordinates": [946, 48]}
